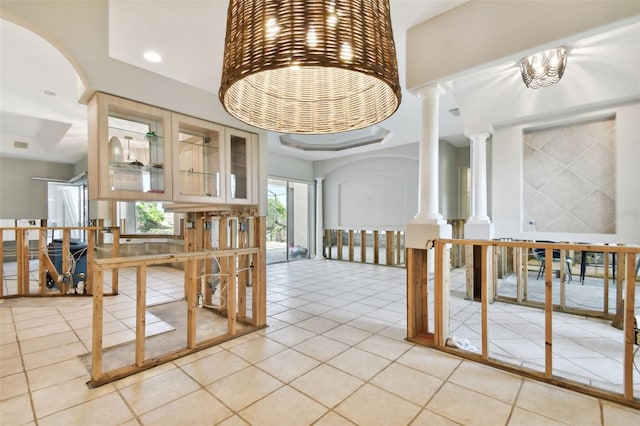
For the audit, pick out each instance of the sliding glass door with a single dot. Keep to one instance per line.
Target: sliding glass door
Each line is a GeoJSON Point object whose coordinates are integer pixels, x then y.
{"type": "Point", "coordinates": [288, 220]}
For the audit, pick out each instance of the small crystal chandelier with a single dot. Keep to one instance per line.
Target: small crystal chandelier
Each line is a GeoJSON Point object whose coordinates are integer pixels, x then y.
{"type": "Point", "coordinates": [310, 67]}
{"type": "Point", "coordinates": [544, 68]}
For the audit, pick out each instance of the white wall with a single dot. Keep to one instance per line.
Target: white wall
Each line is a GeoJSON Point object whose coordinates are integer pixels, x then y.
{"type": "Point", "coordinates": [507, 180]}
{"type": "Point", "coordinates": [22, 197]}
{"type": "Point", "coordinates": [282, 166]}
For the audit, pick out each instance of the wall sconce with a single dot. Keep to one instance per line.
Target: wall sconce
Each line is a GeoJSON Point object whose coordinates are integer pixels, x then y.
{"type": "Point", "coordinates": [544, 68]}
{"type": "Point", "coordinates": [310, 67]}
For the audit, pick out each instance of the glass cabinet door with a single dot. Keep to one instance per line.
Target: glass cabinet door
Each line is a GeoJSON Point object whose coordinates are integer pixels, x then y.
{"type": "Point", "coordinates": [129, 152]}
{"type": "Point", "coordinates": [240, 146]}
{"type": "Point", "coordinates": [198, 149]}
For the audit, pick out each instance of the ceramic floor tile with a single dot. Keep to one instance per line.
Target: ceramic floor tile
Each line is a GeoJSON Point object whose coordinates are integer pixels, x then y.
{"type": "Point", "coordinates": [520, 417]}
{"type": "Point", "coordinates": [384, 347]}
{"type": "Point", "coordinates": [291, 335]}
{"type": "Point", "coordinates": [154, 392]}
{"type": "Point", "coordinates": [359, 363]}
{"type": "Point", "coordinates": [241, 389]}
{"type": "Point", "coordinates": [408, 383]}
{"type": "Point", "coordinates": [13, 385]}
{"type": "Point", "coordinates": [9, 350]}
{"type": "Point", "coordinates": [53, 355]}
{"type": "Point", "coordinates": [292, 316]}
{"type": "Point", "coordinates": [45, 330]}
{"type": "Point", "coordinates": [143, 375]}
{"type": "Point", "coordinates": [321, 348]}
{"type": "Point", "coordinates": [614, 414]}
{"type": "Point", "coordinates": [368, 324]}
{"type": "Point", "coordinates": [489, 381]}
{"type": "Point", "coordinates": [257, 349]}
{"type": "Point", "coordinates": [214, 367]}
{"type": "Point", "coordinates": [559, 404]}
{"type": "Point", "coordinates": [16, 411]}
{"type": "Point", "coordinates": [64, 395]}
{"type": "Point", "coordinates": [327, 385]}
{"type": "Point", "coordinates": [106, 410]}
{"type": "Point", "coordinates": [429, 418]}
{"type": "Point", "coordinates": [348, 335]}
{"type": "Point", "coordinates": [370, 405]}
{"type": "Point", "coordinates": [286, 406]}
{"type": "Point", "coordinates": [333, 419]}
{"type": "Point", "coordinates": [430, 361]}
{"type": "Point", "coordinates": [233, 421]}
{"type": "Point", "coordinates": [196, 408]}
{"type": "Point", "coordinates": [468, 407]}
{"type": "Point", "coordinates": [46, 342]}
{"type": "Point", "coordinates": [318, 324]}
{"type": "Point", "coordinates": [10, 366]}
{"type": "Point", "coordinates": [287, 365]}
{"type": "Point", "coordinates": [49, 375]}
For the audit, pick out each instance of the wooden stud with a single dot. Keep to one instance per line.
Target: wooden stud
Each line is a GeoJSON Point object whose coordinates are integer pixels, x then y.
{"type": "Point", "coordinates": [191, 282]}
{"type": "Point", "coordinates": [115, 252]}
{"type": "Point", "coordinates": [327, 242]}
{"type": "Point", "coordinates": [260, 281]}
{"type": "Point", "coordinates": [24, 265]}
{"type": "Point", "coordinates": [398, 248]}
{"type": "Point", "coordinates": [97, 326]}
{"type": "Point", "coordinates": [339, 243]}
{"type": "Point", "coordinates": [42, 271]}
{"type": "Point", "coordinates": [389, 245]}
{"type": "Point", "coordinates": [141, 307]}
{"type": "Point", "coordinates": [484, 300]}
{"type": "Point", "coordinates": [629, 334]}
{"type": "Point", "coordinates": [376, 247]}
{"type": "Point", "coordinates": [563, 283]}
{"type": "Point", "coordinates": [548, 311]}
{"type": "Point", "coordinates": [363, 246]}
{"type": "Point", "coordinates": [350, 239]}
{"type": "Point", "coordinates": [88, 279]}
{"type": "Point", "coordinates": [231, 297]}
{"type": "Point", "coordinates": [606, 284]}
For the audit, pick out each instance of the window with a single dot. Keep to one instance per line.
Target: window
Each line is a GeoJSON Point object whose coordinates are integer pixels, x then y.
{"type": "Point", "coordinates": [145, 218]}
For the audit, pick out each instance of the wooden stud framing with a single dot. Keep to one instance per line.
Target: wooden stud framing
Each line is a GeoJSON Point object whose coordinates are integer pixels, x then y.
{"type": "Point", "coordinates": [363, 246]}
{"type": "Point", "coordinates": [350, 239]}
{"type": "Point", "coordinates": [115, 252]}
{"type": "Point", "coordinates": [398, 248]}
{"type": "Point", "coordinates": [96, 337]}
{"type": "Point", "coordinates": [376, 247]}
{"type": "Point", "coordinates": [606, 284]}
{"type": "Point", "coordinates": [327, 238]}
{"type": "Point", "coordinates": [630, 262]}
{"type": "Point", "coordinates": [548, 311]}
{"type": "Point", "coordinates": [42, 271]}
{"type": "Point", "coordinates": [484, 300]}
{"type": "Point", "coordinates": [260, 283]}
{"type": "Point", "coordinates": [339, 243]}
{"type": "Point", "coordinates": [141, 305]}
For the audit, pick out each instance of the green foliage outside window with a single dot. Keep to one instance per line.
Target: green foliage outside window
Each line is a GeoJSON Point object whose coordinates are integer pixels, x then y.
{"type": "Point", "coordinates": [150, 219]}
{"type": "Point", "coordinates": [276, 220]}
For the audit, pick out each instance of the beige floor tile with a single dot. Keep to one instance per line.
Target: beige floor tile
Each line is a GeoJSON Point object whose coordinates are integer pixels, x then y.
{"type": "Point", "coordinates": [7, 335]}
{"type": "Point", "coordinates": [333, 419]}
{"type": "Point", "coordinates": [291, 335]}
{"type": "Point", "coordinates": [197, 408]}
{"type": "Point", "coordinates": [53, 355]}
{"type": "Point", "coordinates": [408, 383]}
{"type": "Point", "coordinates": [244, 387]}
{"type": "Point", "coordinates": [615, 414]}
{"type": "Point", "coordinates": [321, 348]}
{"type": "Point", "coordinates": [49, 375]}
{"type": "Point", "coordinates": [373, 406]}
{"type": "Point", "coordinates": [234, 421]}
{"type": "Point", "coordinates": [117, 338]}
{"type": "Point", "coordinates": [318, 324]}
{"type": "Point", "coordinates": [429, 418]}
{"type": "Point", "coordinates": [106, 410]}
{"type": "Point", "coordinates": [10, 366]}
{"type": "Point", "coordinates": [256, 350]}
{"type": "Point", "coordinates": [468, 407]}
{"type": "Point", "coordinates": [520, 417]}
{"type": "Point", "coordinates": [214, 367]}
{"type": "Point", "coordinates": [384, 347]}
{"type": "Point", "coordinates": [46, 342]}
{"type": "Point", "coordinates": [286, 406]}
{"type": "Point", "coordinates": [287, 365]}
{"type": "Point", "coordinates": [16, 411]}
{"type": "Point", "coordinates": [430, 361]}
{"type": "Point", "coordinates": [9, 350]}
{"type": "Point", "coordinates": [45, 330]}
{"type": "Point", "coordinates": [64, 395]}
{"type": "Point", "coordinates": [327, 385]}
{"type": "Point", "coordinates": [38, 322]}
{"type": "Point", "coordinates": [359, 363]}
{"type": "Point", "coordinates": [152, 393]}
{"type": "Point", "coordinates": [489, 381]}
{"type": "Point", "coordinates": [559, 404]}
{"type": "Point", "coordinates": [293, 316]}
{"type": "Point", "coordinates": [347, 334]}
{"type": "Point", "coordinates": [13, 385]}
{"type": "Point", "coordinates": [239, 340]}
{"type": "Point", "coordinates": [144, 375]}
{"type": "Point", "coordinates": [198, 355]}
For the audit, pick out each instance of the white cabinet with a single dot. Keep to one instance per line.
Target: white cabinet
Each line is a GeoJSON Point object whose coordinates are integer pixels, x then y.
{"type": "Point", "coordinates": [138, 152]}
{"type": "Point", "coordinates": [129, 155]}
{"type": "Point", "coordinates": [199, 160]}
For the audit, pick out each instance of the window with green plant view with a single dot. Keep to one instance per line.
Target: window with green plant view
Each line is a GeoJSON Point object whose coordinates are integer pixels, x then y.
{"type": "Point", "coordinates": [146, 218]}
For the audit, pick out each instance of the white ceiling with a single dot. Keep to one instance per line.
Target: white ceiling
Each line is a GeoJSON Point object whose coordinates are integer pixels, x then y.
{"type": "Point", "coordinates": [189, 36]}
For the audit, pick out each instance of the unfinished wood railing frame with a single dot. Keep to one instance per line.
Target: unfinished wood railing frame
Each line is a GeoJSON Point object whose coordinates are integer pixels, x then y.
{"type": "Point", "coordinates": [417, 303]}
{"type": "Point", "coordinates": [191, 261]}
{"type": "Point", "coordinates": [393, 243]}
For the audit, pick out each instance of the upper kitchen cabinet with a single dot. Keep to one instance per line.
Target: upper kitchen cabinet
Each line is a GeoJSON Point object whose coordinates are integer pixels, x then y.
{"type": "Point", "coordinates": [199, 160]}
{"type": "Point", "coordinates": [129, 150]}
{"type": "Point", "coordinates": [242, 167]}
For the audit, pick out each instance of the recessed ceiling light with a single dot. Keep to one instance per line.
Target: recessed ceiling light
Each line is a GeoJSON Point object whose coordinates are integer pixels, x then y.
{"type": "Point", "coordinates": [48, 92]}
{"type": "Point", "coordinates": [152, 56]}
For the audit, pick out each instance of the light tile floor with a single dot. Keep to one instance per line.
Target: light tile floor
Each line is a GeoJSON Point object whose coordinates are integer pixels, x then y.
{"type": "Point", "coordinates": [333, 354]}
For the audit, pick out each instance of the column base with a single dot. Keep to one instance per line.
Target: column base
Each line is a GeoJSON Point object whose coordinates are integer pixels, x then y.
{"type": "Point", "coordinates": [418, 235]}
{"type": "Point", "coordinates": [478, 231]}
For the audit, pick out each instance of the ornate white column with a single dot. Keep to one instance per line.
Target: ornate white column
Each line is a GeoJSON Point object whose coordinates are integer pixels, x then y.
{"type": "Point", "coordinates": [479, 178]}
{"type": "Point", "coordinates": [428, 223]}
{"type": "Point", "coordinates": [319, 220]}
{"type": "Point", "coordinates": [428, 209]}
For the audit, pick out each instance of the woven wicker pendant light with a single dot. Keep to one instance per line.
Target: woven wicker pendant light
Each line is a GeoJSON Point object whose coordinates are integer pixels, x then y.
{"type": "Point", "coordinates": [310, 67]}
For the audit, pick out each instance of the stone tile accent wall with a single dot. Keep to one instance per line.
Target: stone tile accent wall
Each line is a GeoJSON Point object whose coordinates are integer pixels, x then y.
{"type": "Point", "coordinates": [569, 178]}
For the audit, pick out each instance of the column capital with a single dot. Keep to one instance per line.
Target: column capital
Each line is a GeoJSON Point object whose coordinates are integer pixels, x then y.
{"type": "Point", "coordinates": [481, 136]}
{"type": "Point", "coordinates": [319, 179]}
{"type": "Point", "coordinates": [429, 91]}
